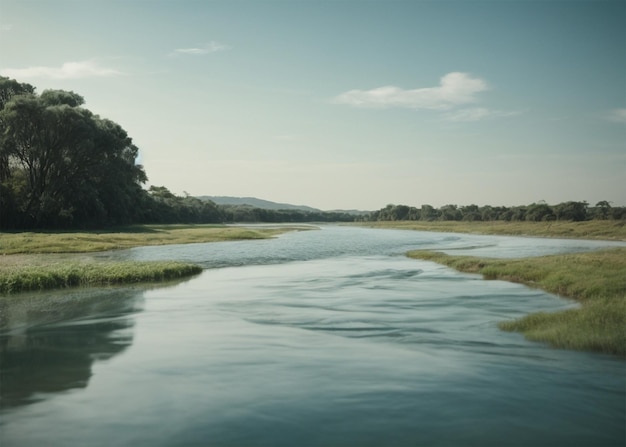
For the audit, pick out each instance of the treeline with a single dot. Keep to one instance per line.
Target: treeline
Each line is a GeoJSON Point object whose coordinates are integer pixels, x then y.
{"type": "Point", "coordinates": [63, 167]}
{"type": "Point", "coordinates": [247, 213]}
{"type": "Point", "coordinates": [535, 212]}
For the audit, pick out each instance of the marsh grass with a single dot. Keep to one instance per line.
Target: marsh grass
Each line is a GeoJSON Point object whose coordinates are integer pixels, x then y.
{"type": "Point", "coordinates": [596, 279]}
{"type": "Point", "coordinates": [35, 261]}
{"type": "Point", "coordinates": [127, 237]}
{"type": "Point", "coordinates": [593, 229]}
{"type": "Point", "coordinates": [23, 278]}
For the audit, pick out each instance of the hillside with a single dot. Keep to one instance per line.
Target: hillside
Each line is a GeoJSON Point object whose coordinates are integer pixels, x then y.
{"type": "Point", "coordinates": [257, 203]}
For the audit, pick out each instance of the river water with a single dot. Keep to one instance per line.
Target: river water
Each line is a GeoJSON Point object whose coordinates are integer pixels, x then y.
{"type": "Point", "coordinates": [328, 337]}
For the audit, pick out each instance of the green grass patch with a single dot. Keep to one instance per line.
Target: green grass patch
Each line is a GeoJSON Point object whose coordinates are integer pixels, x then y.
{"type": "Point", "coordinates": [36, 260]}
{"type": "Point", "coordinates": [28, 278]}
{"type": "Point", "coordinates": [600, 326]}
{"type": "Point", "coordinates": [127, 237]}
{"type": "Point", "coordinates": [596, 279]}
{"type": "Point", "coordinates": [593, 229]}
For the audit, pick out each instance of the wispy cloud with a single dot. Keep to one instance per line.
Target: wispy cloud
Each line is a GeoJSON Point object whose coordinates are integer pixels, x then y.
{"type": "Point", "coordinates": [453, 90]}
{"type": "Point", "coordinates": [211, 47]}
{"type": "Point", "coordinates": [617, 116]}
{"type": "Point", "coordinates": [5, 27]}
{"type": "Point", "coordinates": [69, 70]}
{"type": "Point", "coordinates": [476, 114]}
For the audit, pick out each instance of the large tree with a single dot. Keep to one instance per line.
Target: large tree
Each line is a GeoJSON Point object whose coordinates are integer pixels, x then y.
{"type": "Point", "coordinates": [8, 89]}
{"type": "Point", "coordinates": [64, 166]}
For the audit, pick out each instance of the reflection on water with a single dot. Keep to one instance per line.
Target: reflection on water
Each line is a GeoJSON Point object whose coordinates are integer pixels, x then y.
{"type": "Point", "coordinates": [49, 341]}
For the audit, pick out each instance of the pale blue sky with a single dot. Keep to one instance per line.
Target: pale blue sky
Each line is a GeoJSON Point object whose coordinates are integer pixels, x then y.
{"type": "Point", "coordinates": [347, 104]}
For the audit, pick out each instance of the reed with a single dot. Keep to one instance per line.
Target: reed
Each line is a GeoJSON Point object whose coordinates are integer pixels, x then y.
{"type": "Point", "coordinates": [596, 279]}
{"type": "Point", "coordinates": [21, 278]}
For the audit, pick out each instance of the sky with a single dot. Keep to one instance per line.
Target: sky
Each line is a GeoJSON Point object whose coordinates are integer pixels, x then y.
{"type": "Point", "coordinates": [346, 104]}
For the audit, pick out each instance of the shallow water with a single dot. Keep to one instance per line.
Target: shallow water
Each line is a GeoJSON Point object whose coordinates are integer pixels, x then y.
{"type": "Point", "coordinates": [316, 338]}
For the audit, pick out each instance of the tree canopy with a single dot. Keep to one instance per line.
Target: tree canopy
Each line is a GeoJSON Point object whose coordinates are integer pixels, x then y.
{"type": "Point", "coordinates": [61, 165]}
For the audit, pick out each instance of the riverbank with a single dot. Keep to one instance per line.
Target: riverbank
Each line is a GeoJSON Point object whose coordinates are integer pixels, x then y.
{"type": "Point", "coordinates": [25, 278]}
{"type": "Point", "coordinates": [128, 237]}
{"type": "Point", "coordinates": [35, 261]}
{"type": "Point", "coordinates": [614, 230]}
{"type": "Point", "coordinates": [597, 280]}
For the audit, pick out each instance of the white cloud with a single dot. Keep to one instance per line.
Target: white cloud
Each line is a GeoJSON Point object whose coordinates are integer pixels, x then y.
{"type": "Point", "coordinates": [69, 70]}
{"type": "Point", "coordinates": [473, 114]}
{"type": "Point", "coordinates": [476, 114]}
{"type": "Point", "coordinates": [211, 47]}
{"type": "Point", "coordinates": [6, 27]}
{"type": "Point", "coordinates": [454, 89]}
{"type": "Point", "coordinates": [618, 116]}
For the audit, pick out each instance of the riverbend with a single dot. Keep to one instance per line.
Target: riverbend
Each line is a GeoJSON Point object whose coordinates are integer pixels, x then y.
{"type": "Point", "coordinates": [330, 337]}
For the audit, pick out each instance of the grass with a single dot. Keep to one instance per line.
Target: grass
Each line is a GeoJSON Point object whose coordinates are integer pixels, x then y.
{"type": "Point", "coordinates": [593, 229]}
{"type": "Point", "coordinates": [34, 261]}
{"type": "Point", "coordinates": [22, 278]}
{"type": "Point", "coordinates": [127, 237]}
{"type": "Point", "coordinates": [596, 279]}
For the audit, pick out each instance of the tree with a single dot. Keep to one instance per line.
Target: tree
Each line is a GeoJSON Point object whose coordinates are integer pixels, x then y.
{"type": "Point", "coordinates": [518, 213]}
{"type": "Point", "coordinates": [64, 165]}
{"type": "Point", "coordinates": [574, 211]}
{"type": "Point", "coordinates": [8, 89]}
{"type": "Point", "coordinates": [449, 212]}
{"type": "Point", "coordinates": [428, 213]}
{"type": "Point", "coordinates": [603, 210]}
{"type": "Point", "coordinates": [400, 212]}
{"type": "Point", "coordinates": [8, 215]}
{"type": "Point", "coordinates": [538, 212]}
{"type": "Point", "coordinates": [470, 213]}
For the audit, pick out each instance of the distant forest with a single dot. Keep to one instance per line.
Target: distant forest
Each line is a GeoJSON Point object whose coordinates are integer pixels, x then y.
{"type": "Point", "coordinates": [62, 167]}
{"type": "Point", "coordinates": [535, 212]}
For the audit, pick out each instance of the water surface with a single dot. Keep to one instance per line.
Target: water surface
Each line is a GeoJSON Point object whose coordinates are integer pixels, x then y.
{"type": "Point", "coordinates": [318, 338]}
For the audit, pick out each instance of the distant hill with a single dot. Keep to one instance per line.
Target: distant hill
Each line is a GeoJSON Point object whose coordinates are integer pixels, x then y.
{"type": "Point", "coordinates": [269, 205]}
{"type": "Point", "coordinates": [257, 203]}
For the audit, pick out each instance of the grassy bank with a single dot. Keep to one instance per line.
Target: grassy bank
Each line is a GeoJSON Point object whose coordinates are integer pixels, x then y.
{"type": "Point", "coordinates": [593, 229]}
{"type": "Point", "coordinates": [22, 278]}
{"type": "Point", "coordinates": [596, 279]}
{"type": "Point", "coordinates": [34, 261]}
{"type": "Point", "coordinates": [127, 237]}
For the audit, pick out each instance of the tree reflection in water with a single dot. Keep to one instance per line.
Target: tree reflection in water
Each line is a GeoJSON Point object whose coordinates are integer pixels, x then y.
{"type": "Point", "coordinates": [49, 341]}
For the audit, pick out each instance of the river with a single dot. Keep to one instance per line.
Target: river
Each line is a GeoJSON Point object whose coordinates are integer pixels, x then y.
{"type": "Point", "coordinates": [329, 337]}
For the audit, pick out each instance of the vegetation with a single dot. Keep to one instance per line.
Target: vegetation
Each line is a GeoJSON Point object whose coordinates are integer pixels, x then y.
{"type": "Point", "coordinates": [592, 229]}
{"type": "Point", "coordinates": [126, 237]}
{"type": "Point", "coordinates": [61, 166]}
{"type": "Point", "coordinates": [28, 260]}
{"type": "Point", "coordinates": [27, 278]}
{"type": "Point", "coordinates": [596, 279]}
{"type": "Point", "coordinates": [246, 213]}
{"type": "Point", "coordinates": [536, 212]}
